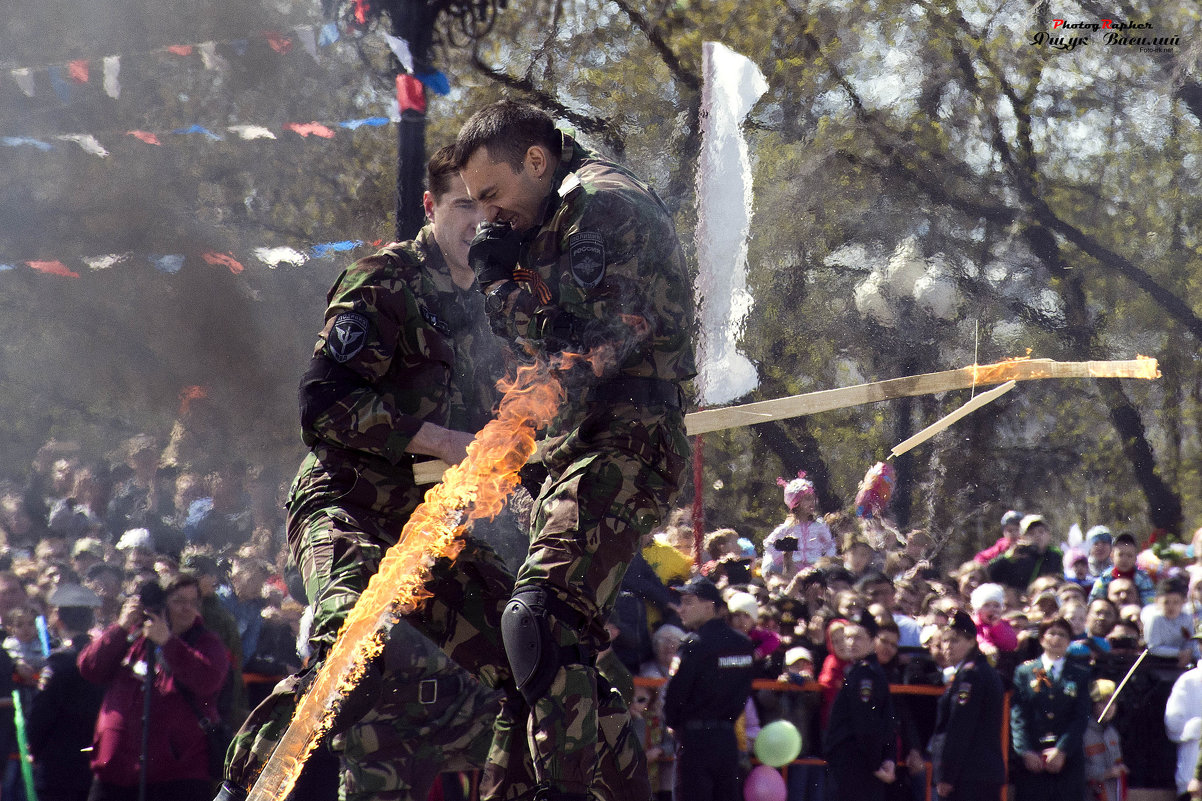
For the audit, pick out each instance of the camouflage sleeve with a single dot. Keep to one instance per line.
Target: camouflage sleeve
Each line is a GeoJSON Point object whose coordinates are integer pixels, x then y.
{"type": "Point", "coordinates": [372, 321]}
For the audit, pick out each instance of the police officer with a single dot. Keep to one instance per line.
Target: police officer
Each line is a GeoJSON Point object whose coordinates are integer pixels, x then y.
{"type": "Point", "coordinates": [62, 716]}
{"type": "Point", "coordinates": [399, 373]}
{"type": "Point", "coordinates": [706, 692]}
{"type": "Point", "coordinates": [1049, 713]}
{"type": "Point", "coordinates": [966, 748]}
{"type": "Point", "coordinates": [582, 258]}
{"type": "Point", "coordinates": [860, 742]}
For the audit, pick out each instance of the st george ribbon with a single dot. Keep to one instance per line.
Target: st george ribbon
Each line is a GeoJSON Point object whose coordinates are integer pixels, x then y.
{"type": "Point", "coordinates": [476, 488]}
{"type": "Point", "coordinates": [732, 85]}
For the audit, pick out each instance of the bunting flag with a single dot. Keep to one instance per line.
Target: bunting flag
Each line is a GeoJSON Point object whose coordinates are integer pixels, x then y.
{"type": "Point", "coordinates": [145, 136]}
{"type": "Point", "coordinates": [112, 69]}
{"type": "Point", "coordinates": [307, 128]}
{"type": "Point", "coordinates": [24, 79]}
{"type": "Point", "coordinates": [53, 268]}
{"type": "Point", "coordinates": [400, 49]}
{"type": "Point", "coordinates": [79, 70]}
{"type": "Point", "coordinates": [172, 263]}
{"type": "Point", "coordinates": [274, 257]}
{"type": "Point", "coordinates": [88, 142]}
{"type": "Point", "coordinates": [410, 94]}
{"type": "Point", "coordinates": [435, 81]}
{"type": "Point", "coordinates": [91, 143]}
{"type": "Point", "coordinates": [223, 260]}
{"type": "Point", "coordinates": [105, 262]}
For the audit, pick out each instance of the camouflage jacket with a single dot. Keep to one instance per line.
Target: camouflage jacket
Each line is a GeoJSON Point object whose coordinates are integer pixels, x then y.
{"type": "Point", "coordinates": [402, 345]}
{"type": "Point", "coordinates": [605, 261]}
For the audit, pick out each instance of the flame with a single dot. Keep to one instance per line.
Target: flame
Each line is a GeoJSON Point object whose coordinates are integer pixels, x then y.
{"type": "Point", "coordinates": [476, 488]}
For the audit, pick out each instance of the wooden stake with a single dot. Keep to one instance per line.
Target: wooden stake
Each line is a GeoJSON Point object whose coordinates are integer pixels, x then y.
{"type": "Point", "coordinates": [827, 400]}
{"type": "Point", "coordinates": [946, 421]}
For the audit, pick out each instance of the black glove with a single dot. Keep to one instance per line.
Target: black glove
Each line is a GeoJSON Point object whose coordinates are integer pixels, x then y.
{"type": "Point", "coordinates": [494, 253]}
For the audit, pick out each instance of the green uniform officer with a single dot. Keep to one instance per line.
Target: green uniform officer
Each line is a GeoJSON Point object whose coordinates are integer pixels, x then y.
{"type": "Point", "coordinates": [581, 257]}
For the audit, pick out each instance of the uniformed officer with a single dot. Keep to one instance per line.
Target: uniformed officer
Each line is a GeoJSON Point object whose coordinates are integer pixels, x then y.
{"type": "Point", "coordinates": [399, 373]}
{"type": "Point", "coordinates": [62, 716]}
{"type": "Point", "coordinates": [1049, 712]}
{"type": "Point", "coordinates": [860, 742]}
{"type": "Point", "coordinates": [583, 258]}
{"type": "Point", "coordinates": [966, 748]}
{"type": "Point", "coordinates": [707, 691]}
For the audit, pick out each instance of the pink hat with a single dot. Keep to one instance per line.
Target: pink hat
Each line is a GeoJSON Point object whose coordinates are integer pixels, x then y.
{"type": "Point", "coordinates": [795, 489]}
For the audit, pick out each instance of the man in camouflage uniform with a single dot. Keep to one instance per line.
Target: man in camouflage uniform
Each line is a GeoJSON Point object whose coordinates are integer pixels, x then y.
{"type": "Point", "coordinates": [580, 256]}
{"type": "Point", "coordinates": [398, 373]}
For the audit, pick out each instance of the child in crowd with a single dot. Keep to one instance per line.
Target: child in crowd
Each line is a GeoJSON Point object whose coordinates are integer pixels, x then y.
{"type": "Point", "coordinates": [23, 644]}
{"type": "Point", "coordinates": [1167, 625]}
{"type": "Point", "coordinates": [1104, 768]}
{"type": "Point", "coordinates": [994, 633]}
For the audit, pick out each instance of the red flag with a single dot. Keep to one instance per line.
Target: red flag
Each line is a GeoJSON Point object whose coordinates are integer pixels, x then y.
{"type": "Point", "coordinates": [279, 43]}
{"type": "Point", "coordinates": [410, 94]}
{"type": "Point", "coordinates": [78, 70]}
{"type": "Point", "coordinates": [53, 268]}
{"type": "Point", "coordinates": [306, 128]}
{"type": "Point", "coordinates": [223, 260]}
{"type": "Point", "coordinates": [180, 50]}
{"type": "Point", "coordinates": [145, 136]}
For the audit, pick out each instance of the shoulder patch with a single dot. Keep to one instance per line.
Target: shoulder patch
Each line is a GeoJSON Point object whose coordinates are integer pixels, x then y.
{"type": "Point", "coordinates": [866, 690]}
{"type": "Point", "coordinates": [964, 693]}
{"type": "Point", "coordinates": [347, 336]}
{"type": "Point", "coordinates": [586, 251]}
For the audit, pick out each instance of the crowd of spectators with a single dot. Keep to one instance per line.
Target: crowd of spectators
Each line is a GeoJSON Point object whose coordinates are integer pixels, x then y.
{"type": "Point", "coordinates": [109, 527]}
{"type": "Point", "coordinates": [101, 533]}
{"type": "Point", "coordinates": [811, 574]}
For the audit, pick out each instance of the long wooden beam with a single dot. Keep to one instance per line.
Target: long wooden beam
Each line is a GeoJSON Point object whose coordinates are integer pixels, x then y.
{"type": "Point", "coordinates": [747, 414]}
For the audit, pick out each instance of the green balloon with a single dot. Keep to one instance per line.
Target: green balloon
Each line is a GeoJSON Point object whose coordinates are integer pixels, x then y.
{"type": "Point", "coordinates": [778, 743]}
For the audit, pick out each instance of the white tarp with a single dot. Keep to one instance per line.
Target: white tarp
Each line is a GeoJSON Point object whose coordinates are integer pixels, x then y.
{"type": "Point", "coordinates": [732, 85]}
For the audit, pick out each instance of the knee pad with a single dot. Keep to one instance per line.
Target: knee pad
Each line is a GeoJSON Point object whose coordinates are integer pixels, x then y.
{"type": "Point", "coordinates": [526, 633]}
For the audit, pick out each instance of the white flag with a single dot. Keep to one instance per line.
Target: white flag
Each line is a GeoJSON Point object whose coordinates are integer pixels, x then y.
{"type": "Point", "coordinates": [274, 257]}
{"type": "Point", "coordinates": [251, 132]}
{"type": "Point", "coordinates": [89, 143]}
{"type": "Point", "coordinates": [112, 69]}
{"type": "Point", "coordinates": [24, 78]}
{"type": "Point", "coordinates": [106, 261]}
{"type": "Point", "coordinates": [732, 85]}
{"type": "Point", "coordinates": [210, 57]}
{"type": "Point", "coordinates": [400, 49]}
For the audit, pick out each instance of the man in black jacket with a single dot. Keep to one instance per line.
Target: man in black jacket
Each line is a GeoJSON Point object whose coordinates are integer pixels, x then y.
{"type": "Point", "coordinates": [860, 742]}
{"type": "Point", "coordinates": [966, 749]}
{"type": "Point", "coordinates": [706, 693]}
{"type": "Point", "coordinates": [62, 716]}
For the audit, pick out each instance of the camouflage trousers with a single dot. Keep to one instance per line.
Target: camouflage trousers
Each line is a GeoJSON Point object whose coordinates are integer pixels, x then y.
{"type": "Point", "coordinates": [601, 497]}
{"type": "Point", "coordinates": [385, 729]}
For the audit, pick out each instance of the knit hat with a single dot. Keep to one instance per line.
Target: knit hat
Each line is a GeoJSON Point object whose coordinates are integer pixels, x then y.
{"type": "Point", "coordinates": [1099, 534]}
{"type": "Point", "coordinates": [743, 602]}
{"type": "Point", "coordinates": [1012, 518]}
{"type": "Point", "coordinates": [796, 489]}
{"type": "Point", "coordinates": [986, 593]}
{"type": "Point", "coordinates": [136, 538]}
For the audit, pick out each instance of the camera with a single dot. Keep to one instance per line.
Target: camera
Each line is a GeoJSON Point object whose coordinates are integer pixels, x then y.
{"type": "Point", "coordinates": [786, 544]}
{"type": "Point", "coordinates": [152, 597]}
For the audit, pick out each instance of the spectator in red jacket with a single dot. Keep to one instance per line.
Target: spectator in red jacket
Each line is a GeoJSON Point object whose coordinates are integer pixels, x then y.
{"type": "Point", "coordinates": [189, 664]}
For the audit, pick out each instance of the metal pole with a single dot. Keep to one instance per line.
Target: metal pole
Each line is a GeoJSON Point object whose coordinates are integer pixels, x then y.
{"type": "Point", "coordinates": [147, 690]}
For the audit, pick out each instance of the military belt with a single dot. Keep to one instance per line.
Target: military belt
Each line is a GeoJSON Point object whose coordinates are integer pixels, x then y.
{"type": "Point", "coordinates": [639, 392]}
{"type": "Point", "coordinates": [428, 691]}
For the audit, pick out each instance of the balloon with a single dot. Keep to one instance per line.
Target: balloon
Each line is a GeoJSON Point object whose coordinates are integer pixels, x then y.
{"type": "Point", "coordinates": [764, 783]}
{"type": "Point", "coordinates": [778, 743]}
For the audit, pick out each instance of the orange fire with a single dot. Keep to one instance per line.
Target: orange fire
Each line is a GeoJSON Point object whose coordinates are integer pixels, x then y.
{"type": "Point", "coordinates": [476, 488]}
